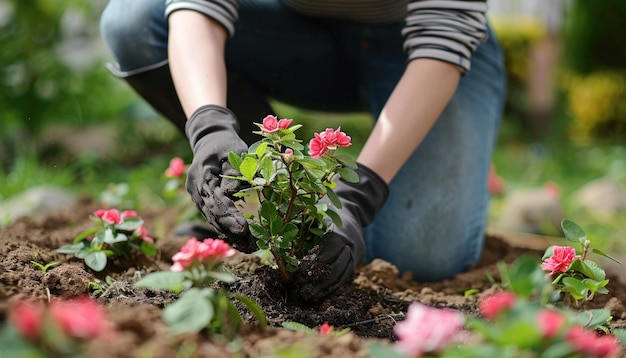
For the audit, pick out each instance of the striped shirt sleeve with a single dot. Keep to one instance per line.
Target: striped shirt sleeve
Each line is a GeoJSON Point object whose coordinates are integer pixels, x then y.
{"type": "Point", "coordinates": [446, 30]}
{"type": "Point", "coordinates": [225, 12]}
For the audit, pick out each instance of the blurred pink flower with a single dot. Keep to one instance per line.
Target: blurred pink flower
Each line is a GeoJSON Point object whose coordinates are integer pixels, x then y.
{"type": "Point", "coordinates": [271, 124]}
{"type": "Point", "coordinates": [326, 328]}
{"type": "Point", "coordinates": [27, 318]}
{"type": "Point", "coordinates": [80, 318]}
{"type": "Point", "coordinates": [426, 329]}
{"type": "Point", "coordinates": [591, 344]}
{"type": "Point", "coordinates": [550, 322]}
{"type": "Point", "coordinates": [129, 214]}
{"type": "Point", "coordinates": [110, 216]}
{"type": "Point", "coordinates": [143, 234]}
{"type": "Point", "coordinates": [176, 168]}
{"type": "Point", "coordinates": [492, 305]}
{"type": "Point", "coordinates": [562, 257]}
{"type": "Point", "coordinates": [207, 251]}
{"type": "Point", "coordinates": [495, 183]}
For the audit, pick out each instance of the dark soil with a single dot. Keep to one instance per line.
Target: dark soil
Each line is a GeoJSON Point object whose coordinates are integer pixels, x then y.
{"type": "Point", "coordinates": [369, 305]}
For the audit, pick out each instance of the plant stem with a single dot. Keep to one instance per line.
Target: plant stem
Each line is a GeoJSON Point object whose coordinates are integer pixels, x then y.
{"type": "Point", "coordinates": [286, 275]}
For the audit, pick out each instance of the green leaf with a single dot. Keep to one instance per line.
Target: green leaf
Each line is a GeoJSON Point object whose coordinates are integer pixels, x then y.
{"type": "Point", "coordinates": [259, 231]}
{"type": "Point", "coordinates": [235, 160]}
{"type": "Point", "coordinates": [109, 238]}
{"type": "Point", "coordinates": [573, 232]}
{"type": "Point", "coordinates": [593, 318]}
{"type": "Point", "coordinates": [334, 199]}
{"type": "Point", "coordinates": [296, 326]}
{"type": "Point", "coordinates": [334, 217]}
{"type": "Point", "coordinates": [96, 260]}
{"type": "Point", "coordinates": [276, 225]}
{"type": "Point", "coordinates": [254, 308]}
{"type": "Point", "coordinates": [348, 175]}
{"type": "Point", "coordinates": [86, 233]}
{"type": "Point", "coordinates": [588, 268]}
{"type": "Point", "coordinates": [248, 168]}
{"type": "Point", "coordinates": [575, 287]}
{"type": "Point", "coordinates": [290, 232]}
{"type": "Point", "coordinates": [601, 253]}
{"type": "Point", "coordinates": [267, 168]}
{"type": "Point", "coordinates": [521, 333]}
{"type": "Point", "coordinates": [129, 224]}
{"type": "Point", "coordinates": [71, 248]}
{"type": "Point", "coordinates": [346, 160]}
{"type": "Point", "coordinates": [148, 249]}
{"type": "Point", "coordinates": [164, 280]}
{"type": "Point", "coordinates": [222, 276]}
{"type": "Point", "coordinates": [260, 150]}
{"type": "Point", "coordinates": [191, 313]}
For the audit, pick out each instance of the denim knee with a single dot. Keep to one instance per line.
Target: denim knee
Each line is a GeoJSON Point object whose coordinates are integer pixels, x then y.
{"type": "Point", "coordinates": [135, 32]}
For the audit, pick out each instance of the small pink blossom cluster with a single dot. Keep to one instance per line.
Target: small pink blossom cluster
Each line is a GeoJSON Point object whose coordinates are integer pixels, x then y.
{"type": "Point", "coordinates": [328, 140]}
{"type": "Point", "coordinates": [206, 252]}
{"type": "Point", "coordinates": [81, 318]}
{"type": "Point", "coordinates": [272, 124]}
{"type": "Point", "coordinates": [591, 344]}
{"type": "Point", "coordinates": [560, 261]}
{"type": "Point", "coordinates": [491, 306]}
{"type": "Point", "coordinates": [176, 168]}
{"type": "Point", "coordinates": [427, 329]}
{"type": "Point", "coordinates": [114, 217]}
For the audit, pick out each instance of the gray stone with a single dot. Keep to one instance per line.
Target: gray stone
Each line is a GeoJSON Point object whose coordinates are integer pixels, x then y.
{"type": "Point", "coordinates": [36, 201]}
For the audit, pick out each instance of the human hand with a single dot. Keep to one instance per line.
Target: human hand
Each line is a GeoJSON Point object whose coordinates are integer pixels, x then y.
{"type": "Point", "coordinates": [213, 133]}
{"type": "Point", "coordinates": [335, 259]}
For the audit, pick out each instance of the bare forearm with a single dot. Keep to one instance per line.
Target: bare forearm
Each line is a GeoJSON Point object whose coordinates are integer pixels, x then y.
{"type": "Point", "coordinates": [414, 106]}
{"type": "Point", "coordinates": [196, 56]}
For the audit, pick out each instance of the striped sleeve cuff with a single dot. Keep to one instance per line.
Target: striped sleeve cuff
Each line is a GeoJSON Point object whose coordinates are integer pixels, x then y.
{"type": "Point", "coordinates": [446, 30]}
{"type": "Point", "coordinates": [222, 11]}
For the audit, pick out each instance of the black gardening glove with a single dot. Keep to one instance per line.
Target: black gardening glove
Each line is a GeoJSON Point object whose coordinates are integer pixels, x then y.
{"type": "Point", "coordinates": [213, 133]}
{"type": "Point", "coordinates": [342, 249]}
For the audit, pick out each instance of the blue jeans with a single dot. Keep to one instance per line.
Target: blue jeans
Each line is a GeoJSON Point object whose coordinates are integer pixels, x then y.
{"type": "Point", "coordinates": [434, 220]}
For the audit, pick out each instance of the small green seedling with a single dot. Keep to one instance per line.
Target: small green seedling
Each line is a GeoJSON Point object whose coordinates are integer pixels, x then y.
{"type": "Point", "coordinates": [46, 267]}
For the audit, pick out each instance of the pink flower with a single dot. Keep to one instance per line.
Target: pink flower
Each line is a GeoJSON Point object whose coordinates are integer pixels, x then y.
{"type": "Point", "coordinates": [111, 216]}
{"type": "Point", "coordinates": [326, 328]}
{"type": "Point", "coordinates": [26, 317]}
{"type": "Point", "coordinates": [334, 138]}
{"type": "Point", "coordinates": [176, 168]}
{"type": "Point", "coordinates": [129, 214]}
{"type": "Point", "coordinates": [329, 139]}
{"type": "Point", "coordinates": [288, 155]}
{"type": "Point", "coordinates": [317, 146]}
{"type": "Point", "coordinates": [271, 124]}
{"type": "Point", "coordinates": [426, 329]}
{"type": "Point", "coordinates": [495, 183]}
{"type": "Point", "coordinates": [143, 234]}
{"type": "Point", "coordinates": [592, 345]}
{"type": "Point", "coordinates": [550, 322]}
{"type": "Point", "coordinates": [492, 305]}
{"type": "Point", "coordinates": [562, 257]}
{"type": "Point", "coordinates": [207, 251]}
{"type": "Point", "coordinates": [80, 318]}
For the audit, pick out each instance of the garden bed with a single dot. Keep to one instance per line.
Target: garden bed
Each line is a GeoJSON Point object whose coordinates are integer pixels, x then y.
{"type": "Point", "coordinates": [369, 305]}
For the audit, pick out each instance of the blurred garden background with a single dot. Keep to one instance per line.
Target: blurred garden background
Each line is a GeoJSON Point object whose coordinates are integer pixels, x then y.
{"type": "Point", "coordinates": [68, 128]}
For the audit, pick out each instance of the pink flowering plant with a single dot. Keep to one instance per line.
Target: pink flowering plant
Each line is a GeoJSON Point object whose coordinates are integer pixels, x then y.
{"type": "Point", "coordinates": [283, 188]}
{"type": "Point", "coordinates": [196, 269]}
{"type": "Point", "coordinates": [119, 235]}
{"type": "Point", "coordinates": [59, 329]}
{"type": "Point", "coordinates": [574, 274]}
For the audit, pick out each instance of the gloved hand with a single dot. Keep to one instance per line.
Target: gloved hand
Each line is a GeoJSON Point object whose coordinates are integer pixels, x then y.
{"type": "Point", "coordinates": [213, 132]}
{"type": "Point", "coordinates": [335, 260]}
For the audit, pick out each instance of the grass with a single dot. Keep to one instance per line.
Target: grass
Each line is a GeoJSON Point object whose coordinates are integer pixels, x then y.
{"type": "Point", "coordinates": [521, 164]}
